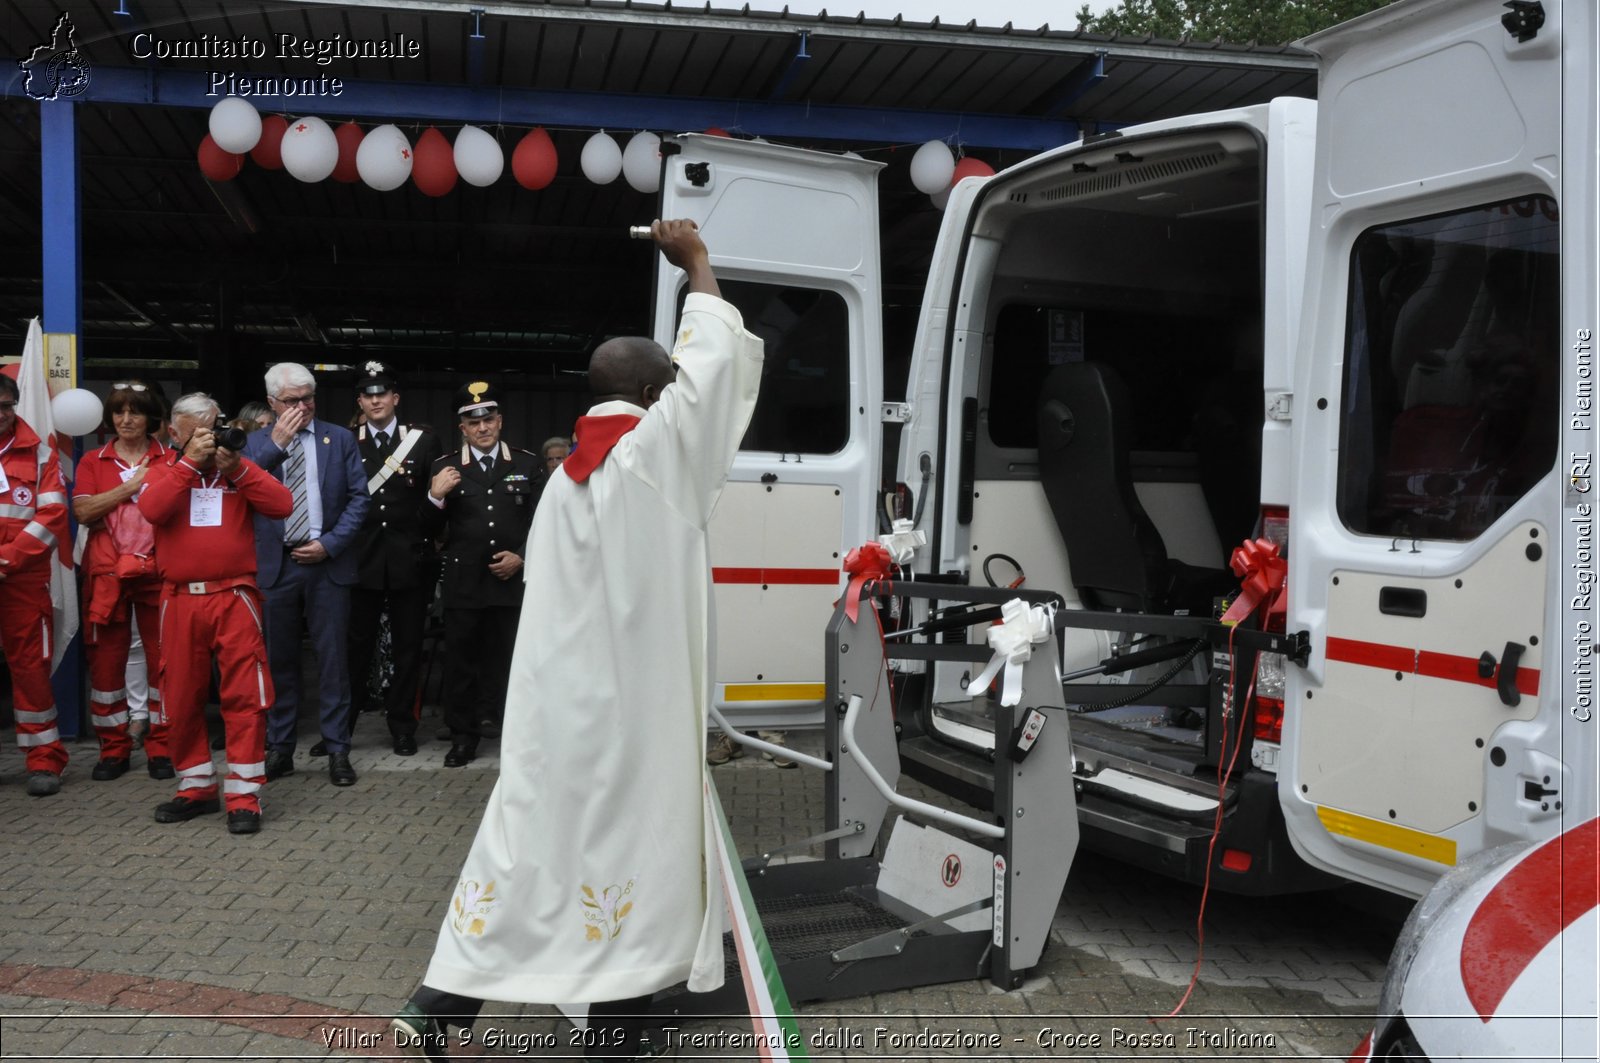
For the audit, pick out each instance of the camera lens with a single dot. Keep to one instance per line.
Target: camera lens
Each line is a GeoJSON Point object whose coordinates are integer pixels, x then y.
{"type": "Point", "coordinates": [231, 438]}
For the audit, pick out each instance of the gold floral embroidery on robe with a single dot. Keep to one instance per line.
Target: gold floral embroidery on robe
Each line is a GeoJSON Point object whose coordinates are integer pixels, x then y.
{"type": "Point", "coordinates": [471, 906]}
{"type": "Point", "coordinates": [604, 912]}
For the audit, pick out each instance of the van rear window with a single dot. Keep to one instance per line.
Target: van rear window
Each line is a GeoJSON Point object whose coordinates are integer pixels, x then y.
{"type": "Point", "coordinates": [1449, 410]}
{"type": "Point", "coordinates": [804, 405]}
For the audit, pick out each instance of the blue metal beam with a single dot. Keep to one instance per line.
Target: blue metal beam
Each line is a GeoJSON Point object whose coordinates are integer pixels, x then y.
{"type": "Point", "coordinates": [390, 100]}
{"type": "Point", "coordinates": [1090, 71]}
{"type": "Point", "coordinates": [797, 63]}
{"type": "Point", "coordinates": [62, 312]}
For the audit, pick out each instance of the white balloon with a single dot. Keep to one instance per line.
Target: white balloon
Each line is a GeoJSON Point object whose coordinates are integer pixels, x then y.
{"type": "Point", "coordinates": [235, 125]}
{"type": "Point", "coordinates": [641, 162]}
{"type": "Point", "coordinates": [601, 160]}
{"type": "Point", "coordinates": [932, 167]}
{"type": "Point", "coordinates": [384, 158]}
{"type": "Point", "coordinates": [76, 412]}
{"type": "Point", "coordinates": [310, 150]}
{"type": "Point", "coordinates": [941, 197]}
{"type": "Point", "coordinates": [479, 159]}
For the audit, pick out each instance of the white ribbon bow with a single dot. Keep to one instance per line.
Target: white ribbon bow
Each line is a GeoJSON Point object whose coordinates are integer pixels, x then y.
{"type": "Point", "coordinates": [902, 541]}
{"type": "Point", "coordinates": [1021, 628]}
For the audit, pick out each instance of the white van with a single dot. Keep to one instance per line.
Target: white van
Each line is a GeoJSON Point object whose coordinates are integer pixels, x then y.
{"type": "Point", "coordinates": [1115, 383]}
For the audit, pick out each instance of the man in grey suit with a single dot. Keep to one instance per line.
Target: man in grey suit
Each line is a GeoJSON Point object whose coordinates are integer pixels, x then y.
{"type": "Point", "coordinates": [304, 564]}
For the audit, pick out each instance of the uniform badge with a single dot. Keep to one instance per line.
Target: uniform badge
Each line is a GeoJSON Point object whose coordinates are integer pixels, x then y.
{"type": "Point", "coordinates": [21, 495]}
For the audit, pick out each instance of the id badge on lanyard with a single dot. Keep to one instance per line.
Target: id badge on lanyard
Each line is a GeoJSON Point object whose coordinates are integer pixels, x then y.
{"type": "Point", "coordinates": [205, 506]}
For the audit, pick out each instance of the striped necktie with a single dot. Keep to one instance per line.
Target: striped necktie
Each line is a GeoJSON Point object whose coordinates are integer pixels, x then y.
{"type": "Point", "coordinates": [294, 478]}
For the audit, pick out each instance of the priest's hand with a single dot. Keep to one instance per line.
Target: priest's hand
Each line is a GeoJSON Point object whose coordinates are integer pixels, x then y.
{"type": "Point", "coordinates": [681, 245]}
{"type": "Point", "coordinates": [444, 482]}
{"type": "Point", "coordinates": [505, 564]}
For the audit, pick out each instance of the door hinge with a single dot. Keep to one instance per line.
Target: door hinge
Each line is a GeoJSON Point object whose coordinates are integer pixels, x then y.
{"type": "Point", "coordinates": [1280, 406]}
{"type": "Point", "coordinates": [895, 412]}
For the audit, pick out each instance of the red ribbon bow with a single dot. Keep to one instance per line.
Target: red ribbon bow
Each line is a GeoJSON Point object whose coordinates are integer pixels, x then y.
{"type": "Point", "coordinates": [867, 562]}
{"type": "Point", "coordinates": [1262, 574]}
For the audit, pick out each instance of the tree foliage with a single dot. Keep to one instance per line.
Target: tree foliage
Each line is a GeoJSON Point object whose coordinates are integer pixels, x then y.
{"type": "Point", "coordinates": [1234, 21]}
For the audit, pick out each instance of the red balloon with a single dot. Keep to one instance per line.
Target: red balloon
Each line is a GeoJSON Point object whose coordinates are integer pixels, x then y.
{"type": "Point", "coordinates": [970, 167]}
{"type": "Point", "coordinates": [349, 137]}
{"type": "Point", "coordinates": [433, 164]}
{"type": "Point", "coordinates": [268, 152]}
{"type": "Point", "coordinates": [216, 164]}
{"type": "Point", "coordinates": [533, 163]}
{"type": "Point", "coordinates": [717, 131]}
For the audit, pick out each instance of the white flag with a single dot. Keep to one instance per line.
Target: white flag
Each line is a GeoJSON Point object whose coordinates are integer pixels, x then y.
{"type": "Point", "coordinates": [33, 406]}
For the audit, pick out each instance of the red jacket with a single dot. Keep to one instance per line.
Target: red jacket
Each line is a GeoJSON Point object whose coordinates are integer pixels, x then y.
{"type": "Point", "coordinates": [33, 510]}
{"type": "Point", "coordinates": [187, 554]}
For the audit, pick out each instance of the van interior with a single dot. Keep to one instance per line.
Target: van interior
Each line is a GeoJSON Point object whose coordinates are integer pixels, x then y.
{"type": "Point", "coordinates": [1116, 423]}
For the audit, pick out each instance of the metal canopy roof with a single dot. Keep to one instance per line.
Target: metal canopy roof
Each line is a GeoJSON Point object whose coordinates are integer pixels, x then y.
{"type": "Point", "coordinates": [264, 267]}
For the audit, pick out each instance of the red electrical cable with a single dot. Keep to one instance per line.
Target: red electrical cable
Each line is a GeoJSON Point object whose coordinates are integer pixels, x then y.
{"type": "Point", "coordinates": [1223, 775]}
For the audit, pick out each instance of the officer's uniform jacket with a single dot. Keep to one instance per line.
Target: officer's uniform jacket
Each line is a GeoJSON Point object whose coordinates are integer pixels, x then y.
{"type": "Point", "coordinates": [392, 544]}
{"type": "Point", "coordinates": [486, 513]}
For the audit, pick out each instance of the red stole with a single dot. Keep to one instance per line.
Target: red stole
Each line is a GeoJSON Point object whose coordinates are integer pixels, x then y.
{"type": "Point", "coordinates": [593, 438]}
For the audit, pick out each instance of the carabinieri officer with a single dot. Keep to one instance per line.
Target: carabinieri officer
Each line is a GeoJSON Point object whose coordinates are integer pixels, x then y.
{"type": "Point", "coordinates": [393, 552]}
{"type": "Point", "coordinates": [483, 499]}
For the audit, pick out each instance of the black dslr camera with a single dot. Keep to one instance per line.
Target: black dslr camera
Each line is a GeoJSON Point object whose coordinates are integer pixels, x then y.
{"type": "Point", "coordinates": [231, 438]}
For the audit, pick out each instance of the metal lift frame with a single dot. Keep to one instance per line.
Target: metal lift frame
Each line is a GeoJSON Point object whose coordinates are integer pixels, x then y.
{"type": "Point", "coordinates": [1031, 831]}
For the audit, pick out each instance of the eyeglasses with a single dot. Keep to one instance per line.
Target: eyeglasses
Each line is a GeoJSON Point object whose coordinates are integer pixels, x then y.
{"type": "Point", "coordinates": [299, 400]}
{"type": "Point", "coordinates": [7, 407]}
{"type": "Point", "coordinates": [129, 387]}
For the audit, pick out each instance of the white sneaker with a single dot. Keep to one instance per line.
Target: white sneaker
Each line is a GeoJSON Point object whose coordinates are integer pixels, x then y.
{"type": "Point", "coordinates": [723, 750]}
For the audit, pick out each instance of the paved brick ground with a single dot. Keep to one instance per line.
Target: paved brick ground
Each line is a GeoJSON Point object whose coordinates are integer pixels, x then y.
{"type": "Point", "coordinates": [125, 938]}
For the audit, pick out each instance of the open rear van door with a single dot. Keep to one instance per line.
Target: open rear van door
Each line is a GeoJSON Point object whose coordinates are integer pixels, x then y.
{"type": "Point", "coordinates": [793, 236]}
{"type": "Point", "coordinates": [1448, 308]}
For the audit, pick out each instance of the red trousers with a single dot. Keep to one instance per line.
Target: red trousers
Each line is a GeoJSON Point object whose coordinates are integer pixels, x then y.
{"type": "Point", "coordinates": [107, 646]}
{"type": "Point", "coordinates": [27, 634]}
{"type": "Point", "coordinates": [194, 628]}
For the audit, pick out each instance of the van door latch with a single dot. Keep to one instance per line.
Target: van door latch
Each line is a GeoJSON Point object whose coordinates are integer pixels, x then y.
{"type": "Point", "coordinates": [1280, 406]}
{"type": "Point", "coordinates": [698, 173]}
{"type": "Point", "coordinates": [1505, 680]}
{"type": "Point", "coordinates": [895, 412]}
{"type": "Point", "coordinates": [1524, 20]}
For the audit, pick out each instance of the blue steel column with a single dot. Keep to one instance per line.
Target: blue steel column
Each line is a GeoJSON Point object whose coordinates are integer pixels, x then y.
{"type": "Point", "coordinates": [63, 312]}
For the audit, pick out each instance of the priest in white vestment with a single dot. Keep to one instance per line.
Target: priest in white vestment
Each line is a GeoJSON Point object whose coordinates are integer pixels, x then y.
{"type": "Point", "coordinates": [591, 878]}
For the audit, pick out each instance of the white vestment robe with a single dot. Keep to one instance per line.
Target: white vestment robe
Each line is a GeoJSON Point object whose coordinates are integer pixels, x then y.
{"type": "Point", "coordinates": [593, 873]}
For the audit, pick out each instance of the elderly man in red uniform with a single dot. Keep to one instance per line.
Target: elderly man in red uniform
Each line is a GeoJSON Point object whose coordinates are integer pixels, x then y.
{"type": "Point", "coordinates": [201, 503]}
{"type": "Point", "coordinates": [33, 519]}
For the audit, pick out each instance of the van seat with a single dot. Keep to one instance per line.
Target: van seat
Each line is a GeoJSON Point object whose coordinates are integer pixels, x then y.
{"type": "Point", "coordinates": [1117, 556]}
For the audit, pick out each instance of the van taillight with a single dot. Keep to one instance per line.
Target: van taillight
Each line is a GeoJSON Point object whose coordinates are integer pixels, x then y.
{"type": "Point", "coordinates": [1275, 527]}
{"type": "Point", "coordinates": [1269, 718]}
{"type": "Point", "coordinates": [1270, 681]}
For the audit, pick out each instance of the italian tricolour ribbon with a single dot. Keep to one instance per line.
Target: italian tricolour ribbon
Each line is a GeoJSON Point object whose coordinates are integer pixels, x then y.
{"type": "Point", "coordinates": [1021, 628]}
{"type": "Point", "coordinates": [1261, 575]}
{"type": "Point", "coordinates": [867, 562]}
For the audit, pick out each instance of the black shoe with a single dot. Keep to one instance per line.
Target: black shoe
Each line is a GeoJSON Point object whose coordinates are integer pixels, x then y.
{"type": "Point", "coordinates": [460, 755]}
{"type": "Point", "coordinates": [489, 728]}
{"type": "Point", "coordinates": [243, 821]}
{"type": "Point", "coordinates": [43, 784]}
{"type": "Point", "coordinates": [280, 762]}
{"type": "Point", "coordinates": [160, 768]}
{"type": "Point", "coordinates": [320, 749]}
{"type": "Point", "coordinates": [340, 773]}
{"type": "Point", "coordinates": [405, 745]}
{"type": "Point", "coordinates": [180, 809]}
{"type": "Point", "coordinates": [106, 770]}
{"type": "Point", "coordinates": [418, 1035]}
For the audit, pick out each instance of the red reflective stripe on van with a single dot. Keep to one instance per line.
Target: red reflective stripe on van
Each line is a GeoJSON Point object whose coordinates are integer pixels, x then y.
{"type": "Point", "coordinates": [809, 576]}
{"type": "Point", "coordinates": [1428, 663]}
{"type": "Point", "coordinates": [1465, 670]}
{"type": "Point", "coordinates": [1372, 654]}
{"type": "Point", "coordinates": [1549, 889]}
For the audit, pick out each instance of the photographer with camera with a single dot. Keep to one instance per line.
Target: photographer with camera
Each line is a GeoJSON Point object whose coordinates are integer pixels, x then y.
{"type": "Point", "coordinates": [122, 587]}
{"type": "Point", "coordinates": [200, 501]}
{"type": "Point", "coordinates": [306, 565]}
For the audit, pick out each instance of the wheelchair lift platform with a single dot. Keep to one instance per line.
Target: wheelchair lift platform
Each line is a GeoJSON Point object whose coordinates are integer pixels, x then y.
{"type": "Point", "coordinates": [951, 896]}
